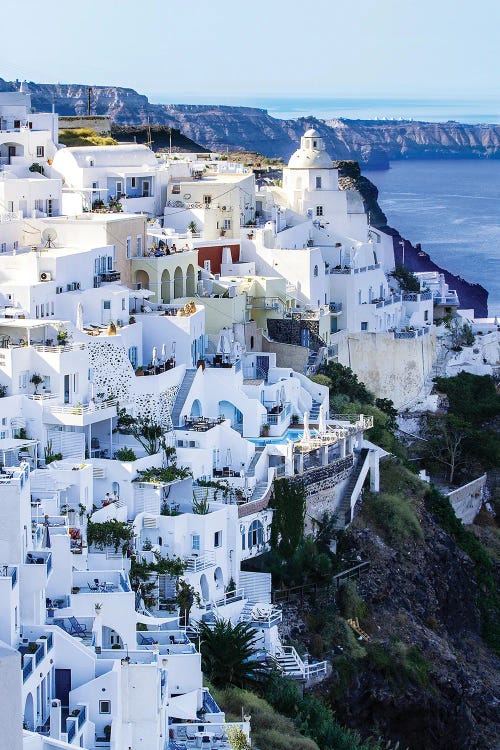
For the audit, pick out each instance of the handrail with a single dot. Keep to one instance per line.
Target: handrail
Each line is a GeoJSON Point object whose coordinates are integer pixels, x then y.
{"type": "Point", "coordinates": [59, 349]}
{"type": "Point", "coordinates": [81, 408]}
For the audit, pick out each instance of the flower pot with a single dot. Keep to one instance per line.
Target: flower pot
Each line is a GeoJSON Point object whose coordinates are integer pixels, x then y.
{"type": "Point", "coordinates": [201, 363]}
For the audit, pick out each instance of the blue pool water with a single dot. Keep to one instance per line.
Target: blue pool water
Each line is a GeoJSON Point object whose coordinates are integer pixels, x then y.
{"type": "Point", "coordinates": [289, 435]}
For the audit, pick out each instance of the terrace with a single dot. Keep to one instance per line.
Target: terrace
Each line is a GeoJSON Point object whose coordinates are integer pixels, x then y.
{"type": "Point", "coordinates": [198, 734]}
{"type": "Point", "coordinates": [92, 581]}
{"type": "Point", "coordinates": [9, 571]}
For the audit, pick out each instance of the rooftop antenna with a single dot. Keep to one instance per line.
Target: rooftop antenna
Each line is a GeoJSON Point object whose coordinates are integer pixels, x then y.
{"type": "Point", "coordinates": [49, 236]}
{"type": "Point", "coordinates": [89, 94]}
{"type": "Point", "coordinates": [149, 141]}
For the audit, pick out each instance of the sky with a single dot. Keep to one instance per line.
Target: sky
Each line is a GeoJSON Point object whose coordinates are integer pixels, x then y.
{"type": "Point", "coordinates": [181, 51]}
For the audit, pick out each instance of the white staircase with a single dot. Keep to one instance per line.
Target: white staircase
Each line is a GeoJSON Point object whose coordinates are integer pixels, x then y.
{"type": "Point", "coordinates": [182, 395]}
{"type": "Point", "coordinates": [251, 467]}
{"type": "Point", "coordinates": [291, 664]}
{"type": "Point", "coordinates": [257, 587]}
{"type": "Point", "coordinates": [259, 490]}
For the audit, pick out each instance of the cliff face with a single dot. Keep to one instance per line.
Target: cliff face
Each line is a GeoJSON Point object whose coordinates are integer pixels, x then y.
{"type": "Point", "coordinates": [373, 143]}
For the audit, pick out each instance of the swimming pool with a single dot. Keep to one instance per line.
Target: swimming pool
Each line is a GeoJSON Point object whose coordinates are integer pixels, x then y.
{"type": "Point", "coordinates": [289, 436]}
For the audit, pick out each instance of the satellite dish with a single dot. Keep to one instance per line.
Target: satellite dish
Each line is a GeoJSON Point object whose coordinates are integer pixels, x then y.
{"type": "Point", "coordinates": [49, 236]}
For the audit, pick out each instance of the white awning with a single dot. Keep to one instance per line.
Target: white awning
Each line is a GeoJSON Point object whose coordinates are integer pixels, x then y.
{"type": "Point", "coordinates": [184, 706]}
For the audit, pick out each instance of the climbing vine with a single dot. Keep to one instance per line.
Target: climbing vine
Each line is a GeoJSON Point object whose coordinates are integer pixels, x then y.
{"type": "Point", "coordinates": [287, 530]}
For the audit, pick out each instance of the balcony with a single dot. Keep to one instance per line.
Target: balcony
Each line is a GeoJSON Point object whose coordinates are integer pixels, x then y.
{"type": "Point", "coordinates": [201, 424]}
{"type": "Point", "coordinates": [335, 308]}
{"type": "Point", "coordinates": [9, 571]}
{"type": "Point", "coordinates": [195, 563]}
{"type": "Point", "coordinates": [80, 415]}
{"type": "Point", "coordinates": [109, 276]}
{"type": "Point", "coordinates": [277, 414]}
{"type": "Point", "coordinates": [39, 557]}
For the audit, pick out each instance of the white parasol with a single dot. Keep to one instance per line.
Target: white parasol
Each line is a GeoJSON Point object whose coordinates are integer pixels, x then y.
{"type": "Point", "coordinates": [164, 352]}
{"type": "Point", "coordinates": [154, 360]}
{"type": "Point", "coordinates": [79, 316]}
{"type": "Point", "coordinates": [322, 420]}
{"type": "Point", "coordinates": [307, 432]}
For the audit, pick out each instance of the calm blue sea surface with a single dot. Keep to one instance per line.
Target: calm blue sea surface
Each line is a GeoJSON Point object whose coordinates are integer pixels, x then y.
{"type": "Point", "coordinates": [453, 209]}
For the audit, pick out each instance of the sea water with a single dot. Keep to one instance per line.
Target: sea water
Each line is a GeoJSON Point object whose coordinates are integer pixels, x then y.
{"type": "Point", "coordinates": [453, 209]}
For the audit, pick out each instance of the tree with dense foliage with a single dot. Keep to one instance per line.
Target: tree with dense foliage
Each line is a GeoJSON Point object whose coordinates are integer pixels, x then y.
{"type": "Point", "coordinates": [343, 380]}
{"type": "Point", "coordinates": [406, 279]}
{"type": "Point", "coordinates": [228, 653]}
{"type": "Point", "coordinates": [112, 533]}
{"type": "Point", "coordinates": [472, 397]}
{"type": "Point", "coordinates": [146, 431]}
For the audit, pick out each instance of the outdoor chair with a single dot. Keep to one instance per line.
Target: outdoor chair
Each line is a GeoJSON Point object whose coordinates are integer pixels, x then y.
{"type": "Point", "coordinates": [93, 586]}
{"type": "Point", "coordinates": [76, 627]}
{"type": "Point", "coordinates": [60, 624]}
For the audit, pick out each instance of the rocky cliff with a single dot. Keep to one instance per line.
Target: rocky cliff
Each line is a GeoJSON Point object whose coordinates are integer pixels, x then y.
{"type": "Point", "coordinates": [372, 143]}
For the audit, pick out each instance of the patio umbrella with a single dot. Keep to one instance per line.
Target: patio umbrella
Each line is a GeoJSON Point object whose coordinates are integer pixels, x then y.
{"type": "Point", "coordinates": [79, 316]}
{"type": "Point", "coordinates": [164, 352]}
{"type": "Point", "coordinates": [142, 294]}
{"type": "Point", "coordinates": [307, 432]}
{"type": "Point", "coordinates": [154, 359]}
{"type": "Point", "coordinates": [322, 421]}
{"type": "Point", "coordinates": [228, 457]}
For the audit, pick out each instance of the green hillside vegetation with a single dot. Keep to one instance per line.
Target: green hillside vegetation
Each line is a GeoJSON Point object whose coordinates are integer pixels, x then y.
{"type": "Point", "coordinates": [84, 137]}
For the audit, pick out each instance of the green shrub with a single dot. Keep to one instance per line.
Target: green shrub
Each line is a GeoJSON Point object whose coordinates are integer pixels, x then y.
{"type": "Point", "coordinates": [400, 664]}
{"type": "Point", "coordinates": [350, 604]}
{"type": "Point", "coordinates": [125, 454]}
{"type": "Point", "coordinates": [394, 517]}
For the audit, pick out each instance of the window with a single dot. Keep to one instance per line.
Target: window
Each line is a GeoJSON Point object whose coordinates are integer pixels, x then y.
{"type": "Point", "coordinates": [129, 247]}
{"type": "Point", "coordinates": [15, 245]}
{"type": "Point", "coordinates": [218, 539]}
{"type": "Point", "coordinates": [3, 247]}
{"type": "Point", "coordinates": [17, 124]}
{"type": "Point", "coordinates": [133, 182]}
{"type": "Point", "coordinates": [243, 537]}
{"type": "Point", "coordinates": [227, 223]}
{"type": "Point", "coordinates": [426, 314]}
{"type": "Point", "coordinates": [110, 262]}
{"type": "Point", "coordinates": [145, 189]}
{"type": "Point", "coordinates": [104, 707]}
{"type": "Point", "coordinates": [364, 325]}
{"type": "Point", "coordinates": [95, 185]}
{"type": "Point", "coordinates": [132, 355]}
{"type": "Point", "coordinates": [75, 382]}
{"type": "Point", "coordinates": [315, 270]}
{"type": "Point", "coordinates": [318, 183]}
{"type": "Point", "coordinates": [119, 188]}
{"type": "Point", "coordinates": [40, 151]}
{"type": "Point", "coordinates": [106, 304]}
{"type": "Point", "coordinates": [123, 303]}
{"type": "Point", "coordinates": [46, 383]}
{"type": "Point", "coordinates": [4, 421]}
{"type": "Point", "coordinates": [38, 204]}
{"type": "Point", "coordinates": [176, 189]}
{"type": "Point", "coordinates": [10, 206]}
{"type": "Point", "coordinates": [251, 342]}
{"type": "Point", "coordinates": [319, 210]}
{"type": "Point", "coordinates": [207, 200]}
{"type": "Point", "coordinates": [139, 246]}
{"type": "Point", "coordinates": [315, 144]}
{"type": "Point", "coordinates": [196, 542]}
{"type": "Point", "coordinates": [255, 534]}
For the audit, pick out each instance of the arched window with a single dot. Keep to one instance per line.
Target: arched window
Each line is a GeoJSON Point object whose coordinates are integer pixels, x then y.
{"type": "Point", "coordinates": [251, 342]}
{"type": "Point", "coordinates": [315, 270]}
{"type": "Point", "coordinates": [255, 534]}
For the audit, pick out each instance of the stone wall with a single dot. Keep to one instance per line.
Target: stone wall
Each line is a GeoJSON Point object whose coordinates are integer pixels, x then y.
{"type": "Point", "coordinates": [467, 500]}
{"type": "Point", "coordinates": [390, 368]}
{"type": "Point", "coordinates": [100, 123]}
{"type": "Point", "coordinates": [289, 331]}
{"type": "Point", "coordinates": [287, 355]}
{"type": "Point", "coordinates": [324, 487]}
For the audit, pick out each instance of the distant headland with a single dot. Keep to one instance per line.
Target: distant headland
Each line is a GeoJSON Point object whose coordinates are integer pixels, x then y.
{"type": "Point", "coordinates": [373, 143]}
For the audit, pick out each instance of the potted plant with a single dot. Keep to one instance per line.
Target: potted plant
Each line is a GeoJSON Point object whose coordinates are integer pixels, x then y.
{"type": "Point", "coordinates": [131, 320]}
{"type": "Point", "coordinates": [201, 363]}
{"type": "Point", "coordinates": [139, 371]}
{"type": "Point", "coordinates": [264, 430]}
{"type": "Point", "coordinates": [37, 380]}
{"type": "Point", "coordinates": [107, 732]}
{"type": "Point", "coordinates": [295, 419]}
{"type": "Point", "coordinates": [192, 227]}
{"type": "Point", "coordinates": [62, 337]}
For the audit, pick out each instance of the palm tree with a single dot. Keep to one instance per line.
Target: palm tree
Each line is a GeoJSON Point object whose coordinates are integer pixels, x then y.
{"type": "Point", "coordinates": [227, 653]}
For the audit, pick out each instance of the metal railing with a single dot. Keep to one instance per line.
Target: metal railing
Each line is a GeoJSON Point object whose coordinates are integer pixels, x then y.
{"type": "Point", "coordinates": [58, 349]}
{"type": "Point", "coordinates": [27, 669]}
{"type": "Point", "coordinates": [196, 563]}
{"type": "Point", "coordinates": [81, 408]}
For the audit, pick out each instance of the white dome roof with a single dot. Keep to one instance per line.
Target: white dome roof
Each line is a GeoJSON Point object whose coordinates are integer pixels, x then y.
{"type": "Point", "coordinates": [311, 154]}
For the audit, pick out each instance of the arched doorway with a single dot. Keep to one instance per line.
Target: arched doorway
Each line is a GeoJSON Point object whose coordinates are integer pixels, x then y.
{"type": "Point", "coordinates": [178, 283]}
{"type": "Point", "coordinates": [205, 592]}
{"type": "Point", "coordinates": [10, 149]}
{"type": "Point", "coordinates": [191, 279]}
{"type": "Point", "coordinates": [196, 410]}
{"type": "Point", "coordinates": [142, 278]}
{"type": "Point", "coordinates": [165, 286]}
{"type": "Point", "coordinates": [219, 579]}
{"type": "Point", "coordinates": [29, 713]}
{"type": "Point", "coordinates": [229, 411]}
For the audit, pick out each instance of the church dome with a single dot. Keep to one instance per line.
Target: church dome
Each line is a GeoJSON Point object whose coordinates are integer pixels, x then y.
{"type": "Point", "coordinates": [311, 154]}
